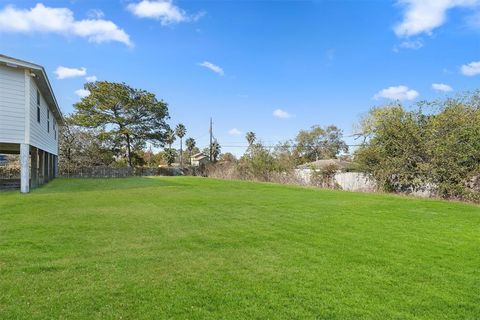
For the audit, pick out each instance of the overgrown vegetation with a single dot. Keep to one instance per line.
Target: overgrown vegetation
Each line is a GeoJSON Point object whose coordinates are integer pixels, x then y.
{"type": "Point", "coordinates": [277, 163]}
{"type": "Point", "coordinates": [325, 177]}
{"type": "Point", "coordinates": [431, 148]}
{"type": "Point", "coordinates": [434, 146]}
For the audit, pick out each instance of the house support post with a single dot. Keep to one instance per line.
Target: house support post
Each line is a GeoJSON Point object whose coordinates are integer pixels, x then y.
{"type": "Point", "coordinates": [52, 166]}
{"type": "Point", "coordinates": [52, 174]}
{"type": "Point", "coordinates": [56, 166]}
{"type": "Point", "coordinates": [48, 166]}
{"type": "Point", "coordinates": [24, 168]}
{"type": "Point", "coordinates": [34, 167]}
{"type": "Point", "coordinates": [46, 172]}
{"type": "Point", "coordinates": [41, 167]}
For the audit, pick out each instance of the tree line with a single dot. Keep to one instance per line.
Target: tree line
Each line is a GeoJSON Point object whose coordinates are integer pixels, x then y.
{"type": "Point", "coordinates": [113, 125]}
{"type": "Point", "coordinates": [431, 145]}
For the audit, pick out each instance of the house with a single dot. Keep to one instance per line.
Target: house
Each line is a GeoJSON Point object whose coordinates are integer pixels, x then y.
{"type": "Point", "coordinates": [29, 120]}
{"type": "Point", "coordinates": [198, 159]}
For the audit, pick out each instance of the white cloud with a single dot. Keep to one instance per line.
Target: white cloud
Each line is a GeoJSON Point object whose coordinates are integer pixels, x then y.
{"type": "Point", "coordinates": [99, 31]}
{"type": "Point", "coordinates": [471, 69]}
{"type": "Point", "coordinates": [82, 93]}
{"type": "Point", "coordinates": [212, 67]}
{"type": "Point", "coordinates": [91, 78]}
{"type": "Point", "coordinates": [412, 45]}
{"type": "Point", "coordinates": [423, 16]}
{"type": "Point", "coordinates": [60, 20]}
{"type": "Point", "coordinates": [163, 10]}
{"type": "Point", "coordinates": [95, 14]}
{"type": "Point", "coordinates": [441, 87]}
{"type": "Point", "coordinates": [64, 72]}
{"type": "Point", "coordinates": [234, 132]}
{"type": "Point", "coordinates": [396, 93]}
{"type": "Point", "coordinates": [282, 114]}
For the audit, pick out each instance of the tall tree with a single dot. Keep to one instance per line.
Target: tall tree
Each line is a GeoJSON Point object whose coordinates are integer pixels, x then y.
{"type": "Point", "coordinates": [396, 152]}
{"type": "Point", "coordinates": [68, 141]}
{"type": "Point", "coordinates": [320, 143]}
{"type": "Point", "coordinates": [180, 131]}
{"type": "Point", "coordinates": [190, 143]}
{"type": "Point", "coordinates": [284, 155]}
{"type": "Point", "coordinates": [216, 150]}
{"type": "Point", "coordinates": [251, 137]}
{"type": "Point", "coordinates": [169, 156]}
{"type": "Point", "coordinates": [128, 115]}
{"type": "Point", "coordinates": [170, 137]}
{"type": "Point", "coordinates": [80, 146]}
{"type": "Point", "coordinates": [257, 163]}
{"type": "Point", "coordinates": [149, 157]}
{"type": "Point", "coordinates": [228, 157]}
{"type": "Point", "coordinates": [206, 150]}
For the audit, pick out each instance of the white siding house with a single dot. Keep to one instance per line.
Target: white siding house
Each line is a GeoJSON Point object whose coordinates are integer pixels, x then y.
{"type": "Point", "coordinates": [198, 159]}
{"type": "Point", "coordinates": [29, 120]}
{"type": "Point", "coordinates": [12, 105]}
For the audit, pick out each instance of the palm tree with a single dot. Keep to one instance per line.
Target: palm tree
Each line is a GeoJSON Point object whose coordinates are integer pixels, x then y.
{"type": "Point", "coordinates": [190, 143]}
{"type": "Point", "coordinates": [169, 138]}
{"type": "Point", "coordinates": [169, 156]}
{"type": "Point", "coordinates": [251, 137]}
{"type": "Point", "coordinates": [216, 149]}
{"type": "Point", "coordinates": [180, 131]}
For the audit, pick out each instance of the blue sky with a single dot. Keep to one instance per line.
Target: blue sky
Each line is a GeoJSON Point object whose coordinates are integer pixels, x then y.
{"type": "Point", "coordinates": [273, 67]}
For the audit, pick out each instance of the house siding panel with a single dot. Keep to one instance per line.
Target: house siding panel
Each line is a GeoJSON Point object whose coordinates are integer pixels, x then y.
{"type": "Point", "coordinates": [12, 105]}
{"type": "Point", "coordinates": [39, 135]}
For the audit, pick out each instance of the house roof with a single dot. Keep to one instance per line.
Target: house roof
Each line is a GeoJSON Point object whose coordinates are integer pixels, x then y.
{"type": "Point", "coordinates": [320, 164]}
{"type": "Point", "coordinates": [42, 81]}
{"type": "Point", "coordinates": [199, 156]}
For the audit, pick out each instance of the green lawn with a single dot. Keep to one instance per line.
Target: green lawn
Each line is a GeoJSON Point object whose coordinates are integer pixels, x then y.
{"type": "Point", "coordinates": [196, 248]}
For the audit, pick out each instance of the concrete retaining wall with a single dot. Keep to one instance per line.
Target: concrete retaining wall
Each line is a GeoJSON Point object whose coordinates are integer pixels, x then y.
{"type": "Point", "coordinates": [350, 181]}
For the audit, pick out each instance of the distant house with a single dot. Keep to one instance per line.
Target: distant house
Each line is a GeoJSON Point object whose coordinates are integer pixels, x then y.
{"type": "Point", "coordinates": [198, 159]}
{"type": "Point", "coordinates": [29, 120]}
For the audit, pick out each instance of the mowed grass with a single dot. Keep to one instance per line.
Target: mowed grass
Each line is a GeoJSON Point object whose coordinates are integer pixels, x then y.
{"type": "Point", "coordinates": [196, 248]}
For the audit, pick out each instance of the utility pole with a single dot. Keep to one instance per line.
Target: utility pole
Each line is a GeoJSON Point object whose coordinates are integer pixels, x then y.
{"type": "Point", "coordinates": [211, 139]}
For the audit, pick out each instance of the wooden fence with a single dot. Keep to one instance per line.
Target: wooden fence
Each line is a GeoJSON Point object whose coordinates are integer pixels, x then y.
{"type": "Point", "coordinates": [9, 172]}
{"type": "Point", "coordinates": [112, 172]}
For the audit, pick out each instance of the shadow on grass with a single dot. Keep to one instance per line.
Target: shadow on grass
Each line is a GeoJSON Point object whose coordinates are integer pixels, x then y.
{"type": "Point", "coordinates": [73, 185]}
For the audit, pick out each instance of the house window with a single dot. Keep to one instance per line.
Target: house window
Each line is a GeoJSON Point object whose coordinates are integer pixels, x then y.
{"type": "Point", "coordinates": [55, 129]}
{"type": "Point", "coordinates": [38, 106]}
{"type": "Point", "coordinates": [48, 120]}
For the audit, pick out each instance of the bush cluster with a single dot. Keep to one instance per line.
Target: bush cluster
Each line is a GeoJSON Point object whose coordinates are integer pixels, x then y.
{"type": "Point", "coordinates": [434, 147]}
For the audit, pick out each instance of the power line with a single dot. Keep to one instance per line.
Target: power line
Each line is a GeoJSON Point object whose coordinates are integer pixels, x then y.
{"type": "Point", "coordinates": [273, 146]}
